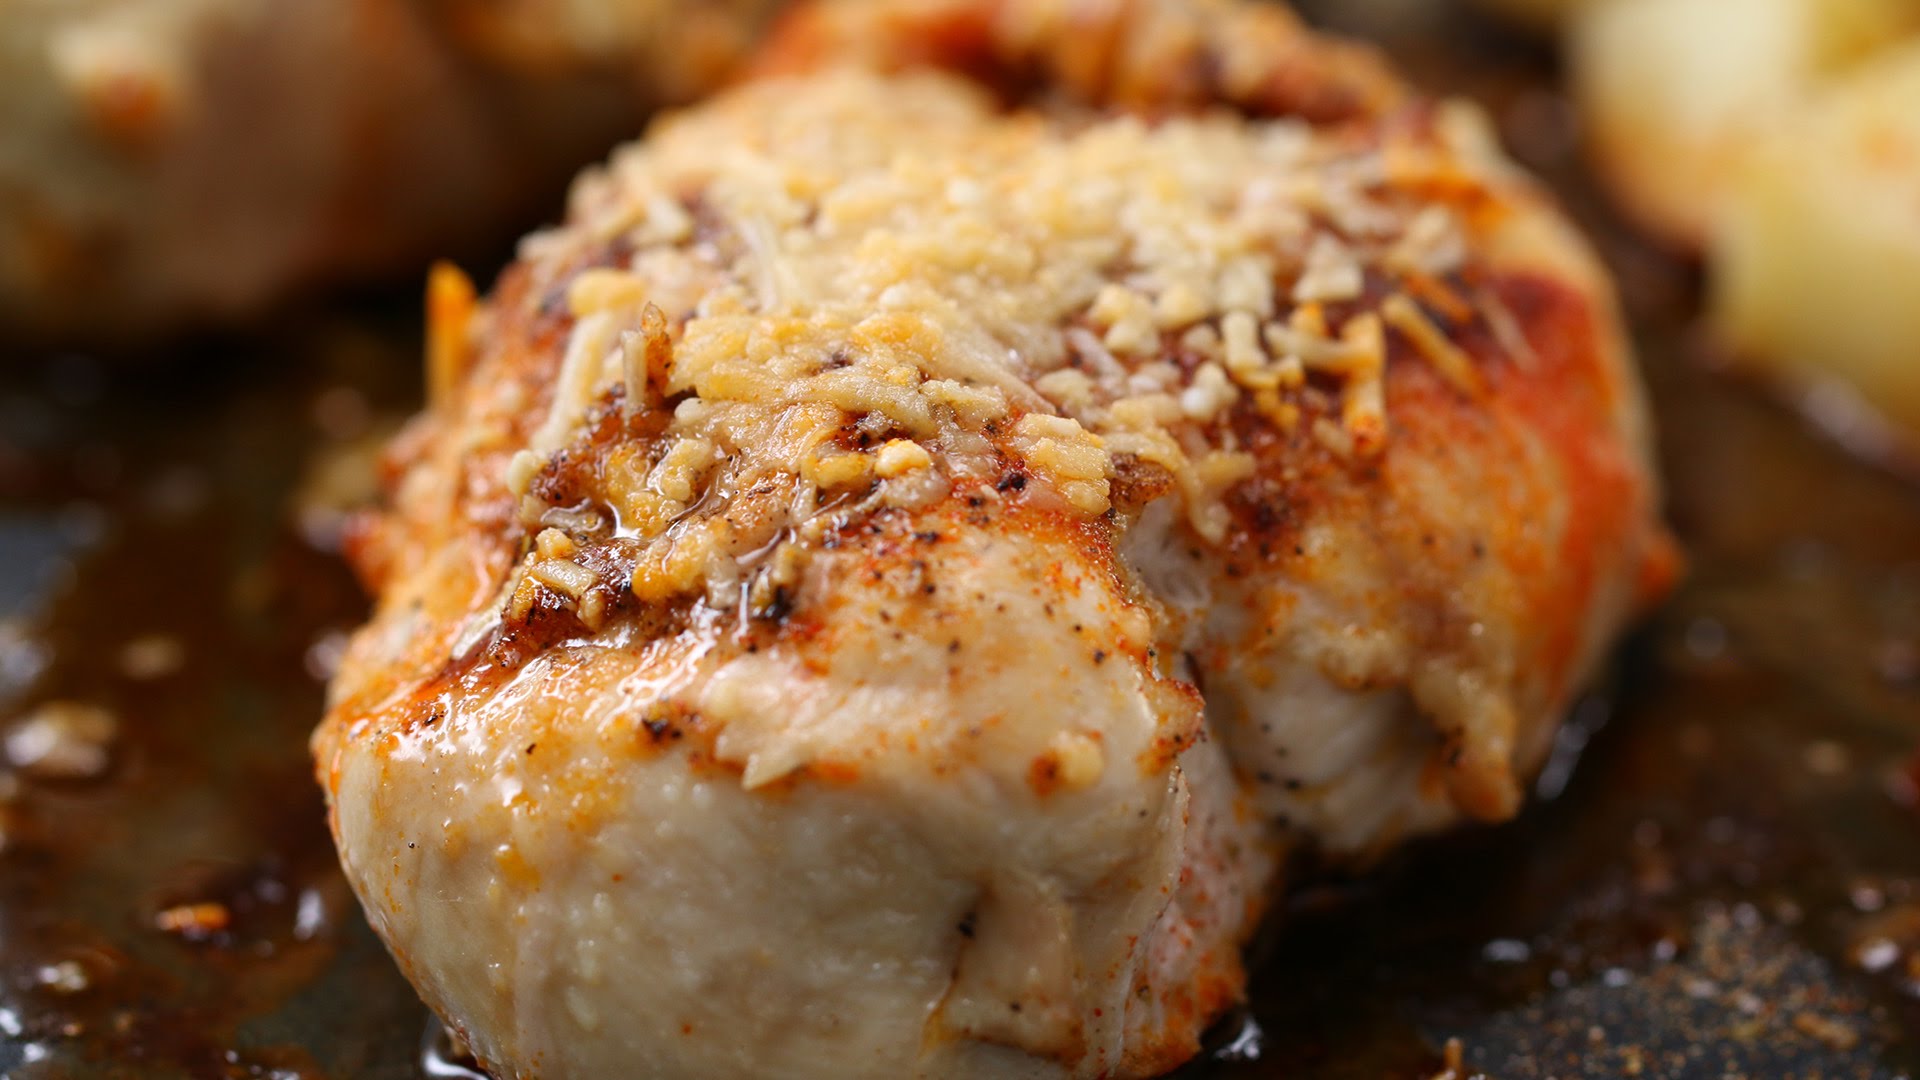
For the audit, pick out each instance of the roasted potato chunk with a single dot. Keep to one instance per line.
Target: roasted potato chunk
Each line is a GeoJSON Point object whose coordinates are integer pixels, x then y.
{"type": "Point", "coordinates": [1673, 90]}
{"type": "Point", "coordinates": [1816, 261]}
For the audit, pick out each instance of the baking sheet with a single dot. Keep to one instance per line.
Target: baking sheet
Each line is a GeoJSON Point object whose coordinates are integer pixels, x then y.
{"type": "Point", "coordinates": [1721, 877]}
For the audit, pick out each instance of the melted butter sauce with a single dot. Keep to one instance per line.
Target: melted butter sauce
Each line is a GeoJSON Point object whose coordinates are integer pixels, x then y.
{"type": "Point", "coordinates": [177, 911]}
{"type": "Point", "coordinates": [1721, 876]}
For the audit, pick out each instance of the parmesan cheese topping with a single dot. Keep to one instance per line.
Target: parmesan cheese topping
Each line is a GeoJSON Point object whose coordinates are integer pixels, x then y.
{"type": "Point", "coordinates": [864, 291]}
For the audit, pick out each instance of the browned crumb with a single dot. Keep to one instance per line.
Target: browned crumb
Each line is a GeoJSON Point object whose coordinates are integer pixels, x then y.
{"type": "Point", "coordinates": [1831, 1032]}
{"type": "Point", "coordinates": [195, 922]}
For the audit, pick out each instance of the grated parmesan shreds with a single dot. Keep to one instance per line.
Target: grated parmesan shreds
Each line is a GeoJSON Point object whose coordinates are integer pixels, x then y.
{"type": "Point", "coordinates": [1451, 361]}
{"type": "Point", "coordinates": [846, 321]}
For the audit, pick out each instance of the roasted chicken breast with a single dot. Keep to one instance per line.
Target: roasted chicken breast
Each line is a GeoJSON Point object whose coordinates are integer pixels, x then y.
{"type": "Point", "coordinates": [178, 161]}
{"type": "Point", "coordinates": [881, 588]}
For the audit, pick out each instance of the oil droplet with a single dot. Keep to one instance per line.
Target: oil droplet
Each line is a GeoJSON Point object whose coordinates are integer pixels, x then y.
{"type": "Point", "coordinates": [444, 1057]}
{"type": "Point", "coordinates": [1240, 1039]}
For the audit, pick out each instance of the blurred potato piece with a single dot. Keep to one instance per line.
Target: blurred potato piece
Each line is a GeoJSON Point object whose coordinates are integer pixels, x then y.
{"type": "Point", "coordinates": [1672, 89]}
{"type": "Point", "coordinates": [1816, 261]}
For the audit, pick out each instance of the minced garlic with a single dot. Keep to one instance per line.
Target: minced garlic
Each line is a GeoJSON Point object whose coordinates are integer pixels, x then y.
{"type": "Point", "coordinates": [568, 578]}
{"type": "Point", "coordinates": [836, 470]}
{"type": "Point", "coordinates": [1068, 455]}
{"type": "Point", "coordinates": [900, 457]}
{"type": "Point", "coordinates": [678, 471]}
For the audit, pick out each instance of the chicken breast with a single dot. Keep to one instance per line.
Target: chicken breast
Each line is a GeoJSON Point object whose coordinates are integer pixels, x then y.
{"type": "Point", "coordinates": [180, 161]}
{"type": "Point", "coordinates": [879, 591]}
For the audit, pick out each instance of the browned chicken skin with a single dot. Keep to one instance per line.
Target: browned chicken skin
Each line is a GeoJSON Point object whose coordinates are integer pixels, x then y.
{"type": "Point", "coordinates": [881, 588]}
